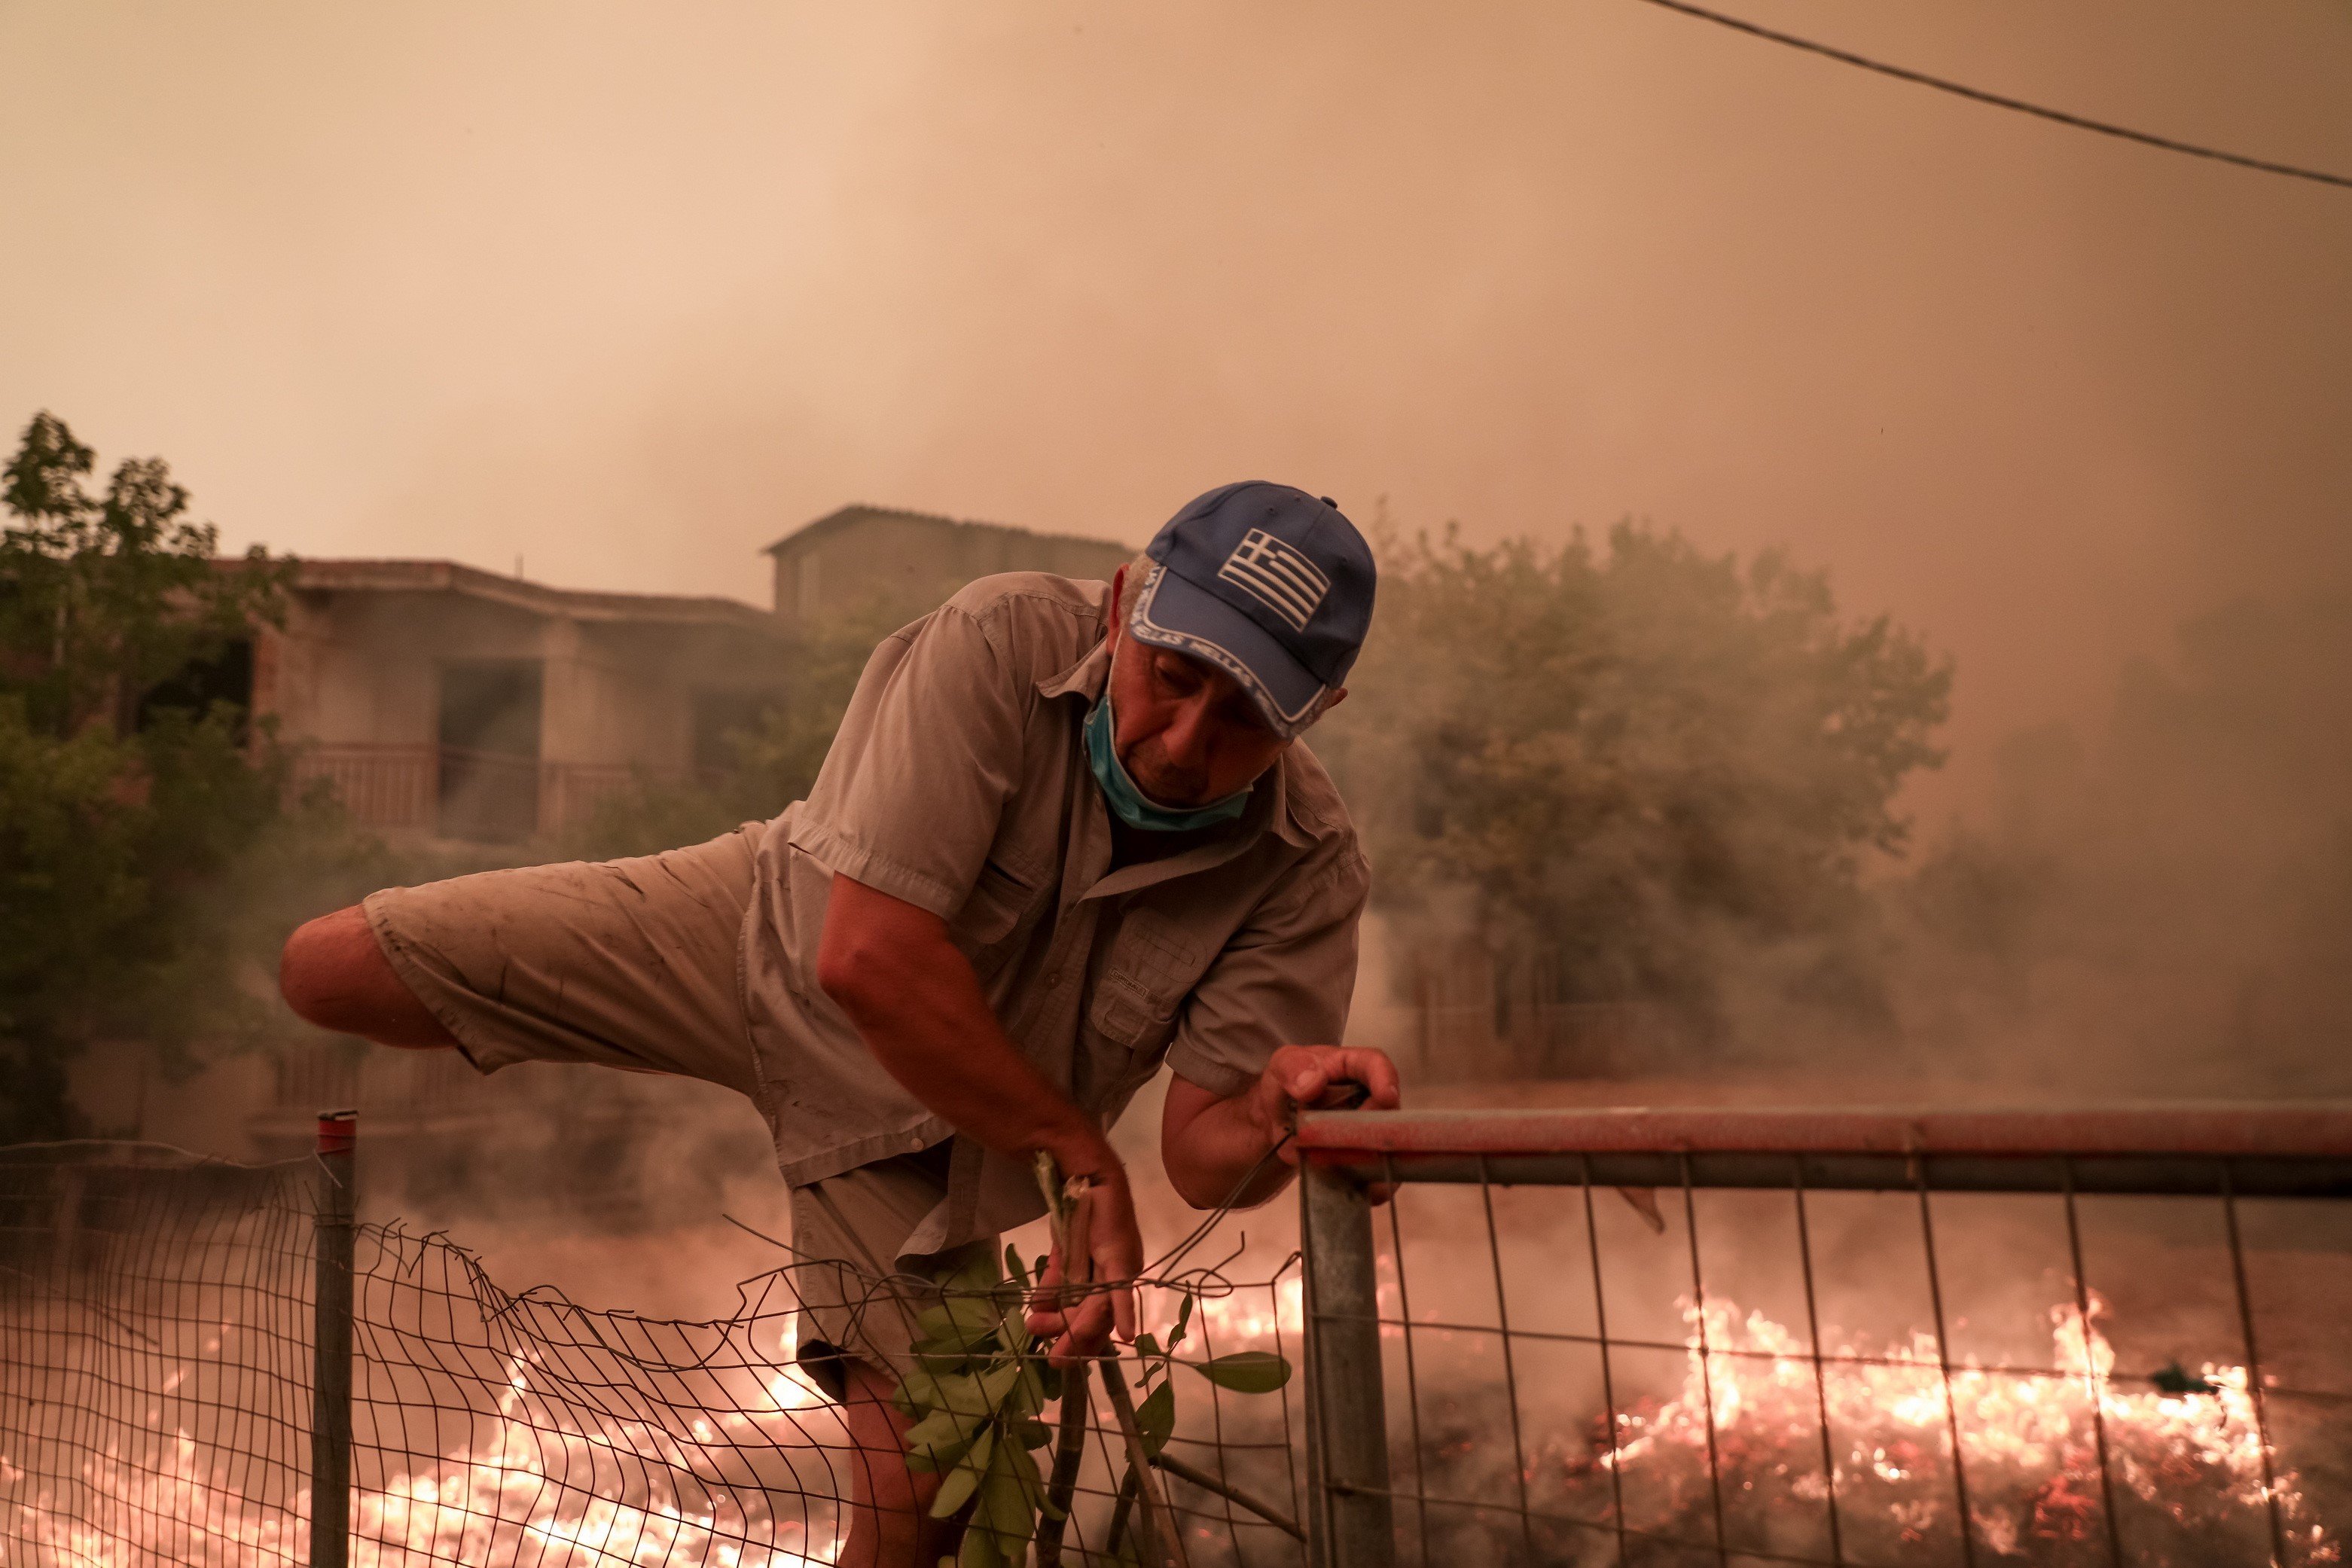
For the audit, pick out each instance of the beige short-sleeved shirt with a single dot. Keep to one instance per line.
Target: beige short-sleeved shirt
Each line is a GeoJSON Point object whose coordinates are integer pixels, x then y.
{"type": "Point", "coordinates": [959, 783]}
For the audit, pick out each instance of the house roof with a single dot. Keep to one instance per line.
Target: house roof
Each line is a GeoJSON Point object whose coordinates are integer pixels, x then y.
{"type": "Point", "coordinates": [856, 512]}
{"type": "Point", "coordinates": [534, 598]}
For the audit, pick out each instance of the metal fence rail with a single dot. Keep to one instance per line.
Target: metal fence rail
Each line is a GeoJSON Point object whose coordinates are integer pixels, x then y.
{"type": "Point", "coordinates": [1833, 1338]}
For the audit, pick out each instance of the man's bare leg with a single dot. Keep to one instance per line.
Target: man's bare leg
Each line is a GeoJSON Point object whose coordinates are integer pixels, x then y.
{"type": "Point", "coordinates": [333, 974]}
{"type": "Point", "coordinates": [890, 1522]}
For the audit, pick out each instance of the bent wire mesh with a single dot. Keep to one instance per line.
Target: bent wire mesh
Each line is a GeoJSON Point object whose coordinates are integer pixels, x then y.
{"type": "Point", "coordinates": [156, 1320]}
{"type": "Point", "coordinates": [1834, 1338]}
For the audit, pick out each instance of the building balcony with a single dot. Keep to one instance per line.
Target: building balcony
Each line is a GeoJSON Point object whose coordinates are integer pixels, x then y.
{"type": "Point", "coordinates": [452, 792]}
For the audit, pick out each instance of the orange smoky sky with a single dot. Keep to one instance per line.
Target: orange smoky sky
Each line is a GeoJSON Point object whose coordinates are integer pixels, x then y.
{"type": "Point", "coordinates": [629, 291]}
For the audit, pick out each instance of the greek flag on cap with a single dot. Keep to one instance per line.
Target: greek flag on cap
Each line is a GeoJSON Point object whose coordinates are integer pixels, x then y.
{"type": "Point", "coordinates": [1268, 584]}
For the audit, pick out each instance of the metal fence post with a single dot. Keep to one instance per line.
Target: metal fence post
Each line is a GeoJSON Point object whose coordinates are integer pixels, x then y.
{"type": "Point", "coordinates": [331, 1342]}
{"type": "Point", "coordinates": [1350, 1511]}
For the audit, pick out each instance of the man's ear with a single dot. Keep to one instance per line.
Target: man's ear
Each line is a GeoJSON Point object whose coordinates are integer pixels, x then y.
{"type": "Point", "coordinates": [1117, 595]}
{"type": "Point", "coordinates": [1338, 695]}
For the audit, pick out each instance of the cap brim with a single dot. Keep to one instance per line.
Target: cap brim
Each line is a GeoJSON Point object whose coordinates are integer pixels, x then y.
{"type": "Point", "coordinates": [1173, 614]}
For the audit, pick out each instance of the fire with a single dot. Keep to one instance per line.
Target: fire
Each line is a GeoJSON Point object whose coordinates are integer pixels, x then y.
{"type": "Point", "coordinates": [520, 1497]}
{"type": "Point", "coordinates": [543, 1482]}
{"type": "Point", "coordinates": [1253, 1316]}
{"type": "Point", "coordinates": [2028, 1443]}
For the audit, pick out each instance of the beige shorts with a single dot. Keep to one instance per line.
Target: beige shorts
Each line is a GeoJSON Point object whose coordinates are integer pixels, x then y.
{"type": "Point", "coordinates": [638, 964]}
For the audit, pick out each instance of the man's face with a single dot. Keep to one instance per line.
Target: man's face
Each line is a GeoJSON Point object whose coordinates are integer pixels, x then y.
{"type": "Point", "coordinates": [1187, 734]}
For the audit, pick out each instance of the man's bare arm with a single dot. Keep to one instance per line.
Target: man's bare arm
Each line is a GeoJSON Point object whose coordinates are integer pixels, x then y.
{"type": "Point", "coordinates": [333, 974]}
{"type": "Point", "coordinates": [917, 1006]}
{"type": "Point", "coordinates": [1209, 1143]}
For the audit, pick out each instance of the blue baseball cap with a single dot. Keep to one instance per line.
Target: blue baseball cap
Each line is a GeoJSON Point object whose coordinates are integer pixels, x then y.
{"type": "Point", "coordinates": [1268, 584]}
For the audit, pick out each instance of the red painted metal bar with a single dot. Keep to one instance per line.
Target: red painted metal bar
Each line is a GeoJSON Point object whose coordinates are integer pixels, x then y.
{"type": "Point", "coordinates": [2253, 1131]}
{"type": "Point", "coordinates": [2271, 1150]}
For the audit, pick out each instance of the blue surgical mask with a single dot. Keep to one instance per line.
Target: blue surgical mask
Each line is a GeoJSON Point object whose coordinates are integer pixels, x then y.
{"type": "Point", "coordinates": [1130, 805]}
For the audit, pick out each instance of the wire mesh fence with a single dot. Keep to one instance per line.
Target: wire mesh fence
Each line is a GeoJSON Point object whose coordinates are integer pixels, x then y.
{"type": "Point", "coordinates": [1834, 1338]}
{"type": "Point", "coordinates": [160, 1401]}
{"type": "Point", "coordinates": [1645, 1338]}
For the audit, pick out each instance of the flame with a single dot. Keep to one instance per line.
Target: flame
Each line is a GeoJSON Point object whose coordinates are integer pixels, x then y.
{"type": "Point", "coordinates": [527, 1490]}
{"type": "Point", "coordinates": [1257, 1318]}
{"type": "Point", "coordinates": [2028, 1443]}
{"type": "Point", "coordinates": [511, 1499]}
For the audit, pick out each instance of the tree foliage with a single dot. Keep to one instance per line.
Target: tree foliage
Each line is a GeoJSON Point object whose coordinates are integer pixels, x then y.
{"type": "Point", "coordinates": [102, 597]}
{"type": "Point", "coordinates": [123, 820]}
{"type": "Point", "coordinates": [1633, 758]}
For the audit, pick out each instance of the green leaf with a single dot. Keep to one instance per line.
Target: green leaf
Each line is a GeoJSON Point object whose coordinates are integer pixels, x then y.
{"type": "Point", "coordinates": [939, 1439]}
{"type": "Point", "coordinates": [961, 1323]}
{"type": "Point", "coordinates": [976, 1393]}
{"type": "Point", "coordinates": [1012, 1266]}
{"type": "Point", "coordinates": [1004, 1505]}
{"type": "Point", "coordinates": [1014, 1332]}
{"type": "Point", "coordinates": [1033, 1393]}
{"type": "Point", "coordinates": [1147, 1347]}
{"type": "Point", "coordinates": [1030, 1433]}
{"type": "Point", "coordinates": [925, 1387]}
{"type": "Point", "coordinates": [975, 1274]}
{"type": "Point", "coordinates": [1245, 1372]}
{"type": "Point", "coordinates": [957, 1490]}
{"type": "Point", "coordinates": [1155, 1418]}
{"type": "Point", "coordinates": [1183, 1322]}
{"type": "Point", "coordinates": [979, 1551]}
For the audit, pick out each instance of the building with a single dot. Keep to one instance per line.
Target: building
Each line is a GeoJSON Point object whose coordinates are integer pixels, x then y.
{"type": "Point", "coordinates": [891, 566]}
{"type": "Point", "coordinates": [452, 702]}
{"type": "Point", "coordinates": [464, 704]}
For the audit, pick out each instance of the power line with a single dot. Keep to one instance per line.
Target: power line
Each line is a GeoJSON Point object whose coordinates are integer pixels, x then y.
{"type": "Point", "coordinates": [1997, 100]}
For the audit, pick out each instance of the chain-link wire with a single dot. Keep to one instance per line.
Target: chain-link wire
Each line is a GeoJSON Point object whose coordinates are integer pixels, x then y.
{"type": "Point", "coordinates": [156, 1397]}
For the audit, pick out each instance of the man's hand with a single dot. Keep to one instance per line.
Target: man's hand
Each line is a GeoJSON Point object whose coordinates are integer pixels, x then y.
{"type": "Point", "coordinates": [1082, 1327]}
{"type": "Point", "coordinates": [1317, 1077]}
{"type": "Point", "coordinates": [1209, 1144]}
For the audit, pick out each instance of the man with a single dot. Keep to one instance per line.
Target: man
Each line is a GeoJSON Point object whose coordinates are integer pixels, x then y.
{"type": "Point", "coordinates": [1064, 835]}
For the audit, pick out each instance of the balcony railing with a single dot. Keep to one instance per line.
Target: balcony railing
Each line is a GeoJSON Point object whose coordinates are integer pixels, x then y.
{"type": "Point", "coordinates": [462, 794]}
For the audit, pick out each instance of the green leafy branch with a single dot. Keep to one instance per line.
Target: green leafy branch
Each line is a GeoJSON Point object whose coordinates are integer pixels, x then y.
{"type": "Point", "coordinates": [979, 1382]}
{"type": "Point", "coordinates": [974, 1394]}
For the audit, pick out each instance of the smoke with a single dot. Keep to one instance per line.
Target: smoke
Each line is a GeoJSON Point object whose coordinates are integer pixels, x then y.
{"type": "Point", "coordinates": [630, 298]}
{"type": "Point", "coordinates": [2162, 901]}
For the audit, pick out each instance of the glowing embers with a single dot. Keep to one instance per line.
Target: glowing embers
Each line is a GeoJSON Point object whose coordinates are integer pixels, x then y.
{"type": "Point", "coordinates": [543, 1485]}
{"type": "Point", "coordinates": [2030, 1442]}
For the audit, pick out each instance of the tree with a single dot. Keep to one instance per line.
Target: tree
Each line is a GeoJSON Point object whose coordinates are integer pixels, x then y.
{"type": "Point", "coordinates": [103, 597]}
{"type": "Point", "coordinates": [119, 816]}
{"type": "Point", "coordinates": [1641, 766]}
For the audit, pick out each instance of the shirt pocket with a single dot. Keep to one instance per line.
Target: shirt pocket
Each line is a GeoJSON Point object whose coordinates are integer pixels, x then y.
{"type": "Point", "coordinates": [994, 914]}
{"type": "Point", "coordinates": [1151, 966]}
